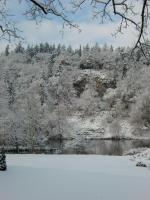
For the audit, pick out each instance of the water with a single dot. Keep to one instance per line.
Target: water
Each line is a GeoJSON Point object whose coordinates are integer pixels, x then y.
{"type": "Point", "coordinates": [102, 147]}
{"type": "Point", "coordinates": [99, 147]}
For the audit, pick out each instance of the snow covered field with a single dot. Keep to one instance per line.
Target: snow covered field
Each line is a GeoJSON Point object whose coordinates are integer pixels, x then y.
{"type": "Point", "coordinates": [73, 177]}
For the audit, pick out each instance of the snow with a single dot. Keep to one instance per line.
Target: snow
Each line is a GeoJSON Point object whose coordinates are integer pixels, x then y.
{"type": "Point", "coordinates": [89, 127]}
{"type": "Point", "coordinates": [96, 127]}
{"type": "Point", "coordinates": [141, 155]}
{"type": "Point", "coordinates": [73, 177]}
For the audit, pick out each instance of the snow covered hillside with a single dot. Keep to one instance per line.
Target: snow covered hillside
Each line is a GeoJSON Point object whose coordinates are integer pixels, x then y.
{"type": "Point", "coordinates": [49, 92]}
{"type": "Point", "coordinates": [36, 177]}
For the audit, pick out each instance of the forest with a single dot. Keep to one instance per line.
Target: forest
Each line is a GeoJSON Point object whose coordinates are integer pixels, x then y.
{"type": "Point", "coordinates": [51, 92]}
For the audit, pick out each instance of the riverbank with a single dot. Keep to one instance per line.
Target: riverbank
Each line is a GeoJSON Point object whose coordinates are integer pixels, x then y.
{"type": "Point", "coordinates": [141, 156]}
{"type": "Point", "coordinates": [103, 146]}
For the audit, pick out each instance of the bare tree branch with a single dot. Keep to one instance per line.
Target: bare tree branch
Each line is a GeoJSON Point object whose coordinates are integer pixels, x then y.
{"type": "Point", "coordinates": [51, 8]}
{"type": "Point", "coordinates": [40, 5]}
{"type": "Point", "coordinates": [103, 9]}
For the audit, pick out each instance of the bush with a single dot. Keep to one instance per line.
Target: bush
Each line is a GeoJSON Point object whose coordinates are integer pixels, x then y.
{"type": "Point", "coordinates": [141, 111]}
{"type": "Point", "coordinates": [3, 166]}
{"type": "Point", "coordinates": [115, 129]}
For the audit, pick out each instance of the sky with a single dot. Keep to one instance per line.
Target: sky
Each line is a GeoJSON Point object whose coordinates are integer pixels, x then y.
{"type": "Point", "coordinates": [50, 30]}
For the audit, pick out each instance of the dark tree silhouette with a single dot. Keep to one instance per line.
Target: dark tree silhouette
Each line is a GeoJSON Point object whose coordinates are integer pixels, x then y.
{"type": "Point", "coordinates": [3, 165]}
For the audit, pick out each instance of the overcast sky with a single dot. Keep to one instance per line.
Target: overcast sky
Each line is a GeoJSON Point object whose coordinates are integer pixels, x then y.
{"type": "Point", "coordinates": [51, 30]}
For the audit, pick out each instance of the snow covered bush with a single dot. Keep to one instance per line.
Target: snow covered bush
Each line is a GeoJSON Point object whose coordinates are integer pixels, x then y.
{"type": "Point", "coordinates": [141, 111]}
{"type": "Point", "coordinates": [3, 165]}
{"type": "Point", "coordinates": [115, 129]}
{"type": "Point", "coordinates": [110, 97]}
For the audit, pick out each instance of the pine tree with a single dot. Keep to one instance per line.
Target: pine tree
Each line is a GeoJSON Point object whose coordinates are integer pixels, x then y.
{"type": "Point", "coordinates": [111, 48]}
{"type": "Point", "coordinates": [87, 47]}
{"type": "Point", "coordinates": [3, 165]}
{"type": "Point", "coordinates": [80, 51]}
{"type": "Point", "coordinates": [69, 49]}
{"type": "Point", "coordinates": [46, 47]}
{"type": "Point", "coordinates": [41, 48]}
{"type": "Point", "coordinates": [30, 52]}
{"type": "Point", "coordinates": [7, 50]}
{"type": "Point", "coordinates": [58, 49]}
{"type": "Point", "coordinates": [36, 49]}
{"type": "Point", "coordinates": [105, 47]}
{"type": "Point", "coordinates": [11, 93]}
{"type": "Point", "coordinates": [19, 48]}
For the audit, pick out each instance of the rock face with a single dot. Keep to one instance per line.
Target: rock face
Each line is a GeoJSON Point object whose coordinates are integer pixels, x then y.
{"type": "Point", "coordinates": [80, 84]}
{"type": "Point", "coordinates": [3, 165]}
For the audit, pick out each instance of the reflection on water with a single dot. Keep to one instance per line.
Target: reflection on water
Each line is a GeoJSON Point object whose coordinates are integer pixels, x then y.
{"type": "Point", "coordinates": [99, 147]}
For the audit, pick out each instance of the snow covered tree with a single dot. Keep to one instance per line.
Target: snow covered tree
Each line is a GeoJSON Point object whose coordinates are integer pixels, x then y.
{"type": "Point", "coordinates": [42, 93]}
{"type": "Point", "coordinates": [3, 165]}
{"type": "Point", "coordinates": [19, 48]}
{"type": "Point", "coordinates": [7, 50]}
{"type": "Point", "coordinates": [69, 49]}
{"type": "Point", "coordinates": [11, 93]}
{"type": "Point", "coordinates": [33, 122]}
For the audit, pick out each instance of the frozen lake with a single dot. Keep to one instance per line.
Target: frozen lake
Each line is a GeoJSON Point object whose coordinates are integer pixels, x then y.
{"type": "Point", "coordinates": [73, 177]}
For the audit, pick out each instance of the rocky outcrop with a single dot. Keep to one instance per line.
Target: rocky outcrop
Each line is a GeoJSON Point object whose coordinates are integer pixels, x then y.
{"type": "Point", "coordinates": [80, 84]}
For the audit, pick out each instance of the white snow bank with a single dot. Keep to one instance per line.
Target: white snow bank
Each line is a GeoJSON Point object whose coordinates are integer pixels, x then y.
{"type": "Point", "coordinates": [91, 127]}
{"type": "Point", "coordinates": [140, 155]}
{"type": "Point", "coordinates": [68, 177]}
{"type": "Point", "coordinates": [96, 127]}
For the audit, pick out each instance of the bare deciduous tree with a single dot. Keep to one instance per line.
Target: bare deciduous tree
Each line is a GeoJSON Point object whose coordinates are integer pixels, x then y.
{"type": "Point", "coordinates": [8, 28]}
{"type": "Point", "coordinates": [36, 9]}
{"type": "Point", "coordinates": [127, 14]}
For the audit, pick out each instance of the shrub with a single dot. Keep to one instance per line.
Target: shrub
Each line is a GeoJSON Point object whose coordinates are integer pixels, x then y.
{"type": "Point", "coordinates": [141, 111]}
{"type": "Point", "coordinates": [3, 166]}
{"type": "Point", "coordinates": [115, 129]}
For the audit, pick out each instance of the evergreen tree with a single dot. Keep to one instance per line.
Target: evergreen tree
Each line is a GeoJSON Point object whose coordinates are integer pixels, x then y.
{"type": "Point", "coordinates": [105, 47]}
{"type": "Point", "coordinates": [42, 93]}
{"type": "Point", "coordinates": [63, 48]}
{"type": "Point", "coordinates": [87, 47]}
{"type": "Point", "coordinates": [3, 165]}
{"type": "Point", "coordinates": [69, 49]}
{"type": "Point", "coordinates": [58, 49]}
{"type": "Point", "coordinates": [111, 48]}
{"type": "Point", "coordinates": [7, 50]}
{"type": "Point", "coordinates": [80, 51]}
{"type": "Point", "coordinates": [19, 48]}
{"type": "Point", "coordinates": [36, 49]}
{"type": "Point", "coordinates": [30, 52]}
{"type": "Point", "coordinates": [41, 47]}
{"type": "Point", "coordinates": [50, 48]}
{"type": "Point", "coordinates": [138, 55]}
{"type": "Point", "coordinates": [46, 48]}
{"type": "Point", "coordinates": [11, 93]}
{"type": "Point", "coordinates": [53, 48]}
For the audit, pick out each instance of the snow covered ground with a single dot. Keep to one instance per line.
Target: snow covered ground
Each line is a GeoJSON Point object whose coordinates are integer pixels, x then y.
{"type": "Point", "coordinates": [73, 177]}
{"type": "Point", "coordinates": [140, 155]}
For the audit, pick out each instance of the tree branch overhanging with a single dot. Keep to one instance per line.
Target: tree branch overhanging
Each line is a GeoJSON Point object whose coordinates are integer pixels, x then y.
{"type": "Point", "coordinates": [52, 7]}
{"type": "Point", "coordinates": [103, 9]}
{"type": "Point", "coordinates": [125, 11]}
{"type": "Point", "coordinates": [41, 6]}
